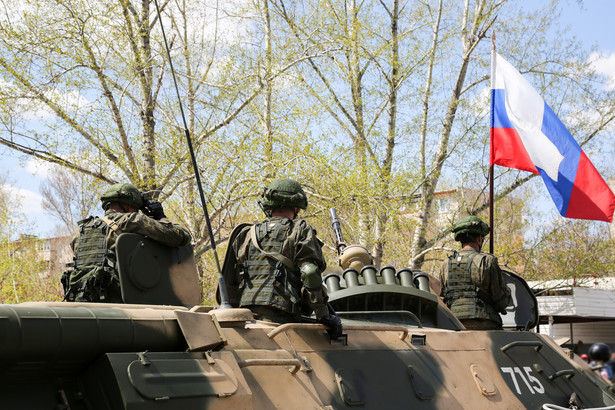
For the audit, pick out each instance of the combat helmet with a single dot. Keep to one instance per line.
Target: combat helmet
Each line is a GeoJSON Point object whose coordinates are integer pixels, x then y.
{"type": "Point", "coordinates": [599, 352]}
{"type": "Point", "coordinates": [122, 194]}
{"type": "Point", "coordinates": [470, 225]}
{"type": "Point", "coordinates": [284, 193]}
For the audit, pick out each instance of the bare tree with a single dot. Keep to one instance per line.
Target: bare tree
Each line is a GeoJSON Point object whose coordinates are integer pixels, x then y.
{"type": "Point", "coordinates": [70, 197]}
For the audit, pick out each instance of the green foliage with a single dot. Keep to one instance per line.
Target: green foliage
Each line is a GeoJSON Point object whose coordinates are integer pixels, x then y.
{"type": "Point", "coordinates": [572, 249]}
{"type": "Point", "coordinates": [25, 275]}
{"type": "Point", "coordinates": [358, 101]}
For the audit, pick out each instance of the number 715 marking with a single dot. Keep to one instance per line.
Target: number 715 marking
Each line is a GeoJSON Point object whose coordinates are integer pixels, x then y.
{"type": "Point", "coordinates": [532, 383]}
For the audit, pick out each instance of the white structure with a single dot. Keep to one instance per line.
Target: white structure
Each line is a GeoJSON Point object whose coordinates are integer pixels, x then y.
{"type": "Point", "coordinates": [579, 312]}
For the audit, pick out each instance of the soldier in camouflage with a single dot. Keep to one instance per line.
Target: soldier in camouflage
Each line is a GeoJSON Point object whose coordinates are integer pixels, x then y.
{"type": "Point", "coordinates": [94, 277]}
{"type": "Point", "coordinates": [472, 284]}
{"type": "Point", "coordinates": [279, 261]}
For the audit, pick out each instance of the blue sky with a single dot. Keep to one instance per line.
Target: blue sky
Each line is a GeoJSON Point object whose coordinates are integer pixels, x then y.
{"type": "Point", "coordinates": [590, 20]}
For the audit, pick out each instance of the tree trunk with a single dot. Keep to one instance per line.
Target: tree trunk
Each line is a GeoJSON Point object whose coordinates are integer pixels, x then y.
{"type": "Point", "coordinates": [469, 39]}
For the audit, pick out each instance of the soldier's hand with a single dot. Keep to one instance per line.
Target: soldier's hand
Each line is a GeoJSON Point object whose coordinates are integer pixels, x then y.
{"type": "Point", "coordinates": [334, 325]}
{"type": "Point", "coordinates": [154, 209]}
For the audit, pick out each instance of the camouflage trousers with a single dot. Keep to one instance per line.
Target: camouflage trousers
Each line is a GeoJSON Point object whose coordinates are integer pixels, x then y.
{"type": "Point", "coordinates": [271, 314]}
{"type": "Point", "coordinates": [480, 324]}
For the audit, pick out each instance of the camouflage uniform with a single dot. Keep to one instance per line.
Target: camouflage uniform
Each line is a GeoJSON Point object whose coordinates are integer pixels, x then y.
{"type": "Point", "coordinates": [163, 231]}
{"type": "Point", "coordinates": [474, 293]}
{"type": "Point", "coordinates": [267, 286]}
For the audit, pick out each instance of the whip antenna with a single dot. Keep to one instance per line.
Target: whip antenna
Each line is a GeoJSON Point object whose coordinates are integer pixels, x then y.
{"type": "Point", "coordinates": [224, 299]}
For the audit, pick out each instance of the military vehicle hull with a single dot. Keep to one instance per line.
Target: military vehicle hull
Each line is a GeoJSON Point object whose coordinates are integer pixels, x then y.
{"type": "Point", "coordinates": [401, 348]}
{"type": "Point", "coordinates": [89, 356]}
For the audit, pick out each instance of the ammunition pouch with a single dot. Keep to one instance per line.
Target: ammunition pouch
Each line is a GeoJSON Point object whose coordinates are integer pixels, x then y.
{"type": "Point", "coordinates": [64, 280]}
{"type": "Point", "coordinates": [93, 284]}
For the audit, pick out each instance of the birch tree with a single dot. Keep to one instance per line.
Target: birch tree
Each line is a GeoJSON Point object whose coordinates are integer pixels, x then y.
{"type": "Point", "coordinates": [96, 76]}
{"type": "Point", "coordinates": [357, 85]}
{"type": "Point", "coordinates": [561, 72]}
{"type": "Point", "coordinates": [474, 27]}
{"type": "Point", "coordinates": [384, 166]}
{"type": "Point", "coordinates": [374, 106]}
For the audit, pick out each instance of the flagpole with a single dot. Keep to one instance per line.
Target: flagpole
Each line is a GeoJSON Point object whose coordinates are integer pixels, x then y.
{"type": "Point", "coordinates": [491, 153]}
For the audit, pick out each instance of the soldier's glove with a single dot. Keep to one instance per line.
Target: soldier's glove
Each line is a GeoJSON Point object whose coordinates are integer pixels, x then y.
{"type": "Point", "coordinates": [334, 325]}
{"type": "Point", "coordinates": [154, 209]}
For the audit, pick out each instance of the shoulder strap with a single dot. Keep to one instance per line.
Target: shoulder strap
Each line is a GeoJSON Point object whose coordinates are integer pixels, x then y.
{"type": "Point", "coordinates": [111, 224]}
{"type": "Point", "coordinates": [277, 256]}
{"type": "Point", "coordinates": [471, 259]}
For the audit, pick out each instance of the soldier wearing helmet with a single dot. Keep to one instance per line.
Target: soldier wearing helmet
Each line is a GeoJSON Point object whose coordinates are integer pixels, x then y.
{"type": "Point", "coordinates": [94, 277]}
{"type": "Point", "coordinates": [278, 262]}
{"type": "Point", "coordinates": [472, 284]}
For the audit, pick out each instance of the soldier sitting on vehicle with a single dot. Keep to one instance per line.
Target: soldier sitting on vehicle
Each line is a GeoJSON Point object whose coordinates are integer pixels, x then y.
{"type": "Point", "coordinates": [94, 277]}
{"type": "Point", "coordinates": [278, 262]}
{"type": "Point", "coordinates": [472, 283]}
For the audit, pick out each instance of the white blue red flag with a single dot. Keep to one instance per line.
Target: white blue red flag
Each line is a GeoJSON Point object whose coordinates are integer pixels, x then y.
{"type": "Point", "coordinates": [527, 135]}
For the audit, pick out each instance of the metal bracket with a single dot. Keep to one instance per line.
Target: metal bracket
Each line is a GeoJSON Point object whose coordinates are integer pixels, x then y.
{"type": "Point", "coordinates": [569, 373]}
{"type": "Point", "coordinates": [143, 358]}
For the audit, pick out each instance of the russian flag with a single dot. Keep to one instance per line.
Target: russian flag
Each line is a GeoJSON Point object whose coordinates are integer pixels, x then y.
{"type": "Point", "coordinates": [527, 135]}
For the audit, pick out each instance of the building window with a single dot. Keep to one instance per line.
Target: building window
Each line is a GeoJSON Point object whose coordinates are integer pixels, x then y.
{"type": "Point", "coordinates": [443, 206]}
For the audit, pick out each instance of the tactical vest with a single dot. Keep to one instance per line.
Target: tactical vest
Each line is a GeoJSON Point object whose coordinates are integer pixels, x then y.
{"type": "Point", "coordinates": [93, 278]}
{"type": "Point", "coordinates": [265, 279]}
{"type": "Point", "coordinates": [461, 295]}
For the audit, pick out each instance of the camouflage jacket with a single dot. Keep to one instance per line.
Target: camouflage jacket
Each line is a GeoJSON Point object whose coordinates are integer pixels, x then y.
{"type": "Point", "coordinates": [299, 245]}
{"type": "Point", "coordinates": [487, 293]}
{"type": "Point", "coordinates": [163, 231]}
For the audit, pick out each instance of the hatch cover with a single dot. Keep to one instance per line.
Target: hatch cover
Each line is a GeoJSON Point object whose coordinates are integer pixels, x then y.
{"type": "Point", "coordinates": [171, 378]}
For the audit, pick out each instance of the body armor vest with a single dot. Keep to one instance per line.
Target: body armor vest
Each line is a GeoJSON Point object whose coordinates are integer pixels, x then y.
{"type": "Point", "coordinates": [461, 295]}
{"type": "Point", "coordinates": [92, 247]}
{"type": "Point", "coordinates": [265, 279]}
{"type": "Point", "coordinates": [93, 278]}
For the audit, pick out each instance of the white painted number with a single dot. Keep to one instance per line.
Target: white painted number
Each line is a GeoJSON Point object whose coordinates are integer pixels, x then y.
{"type": "Point", "coordinates": [532, 383]}
{"type": "Point", "coordinates": [512, 374]}
{"type": "Point", "coordinates": [538, 387]}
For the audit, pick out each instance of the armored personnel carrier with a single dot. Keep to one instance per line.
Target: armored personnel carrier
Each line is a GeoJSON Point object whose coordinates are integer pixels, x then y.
{"type": "Point", "coordinates": [401, 348]}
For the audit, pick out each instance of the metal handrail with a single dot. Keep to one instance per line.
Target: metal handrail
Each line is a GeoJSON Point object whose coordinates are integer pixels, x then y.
{"type": "Point", "coordinates": [536, 344]}
{"type": "Point", "coordinates": [566, 372]}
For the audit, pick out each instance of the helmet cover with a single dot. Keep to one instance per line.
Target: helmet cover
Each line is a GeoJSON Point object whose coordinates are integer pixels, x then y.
{"type": "Point", "coordinates": [127, 194]}
{"type": "Point", "coordinates": [471, 225]}
{"type": "Point", "coordinates": [284, 193]}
